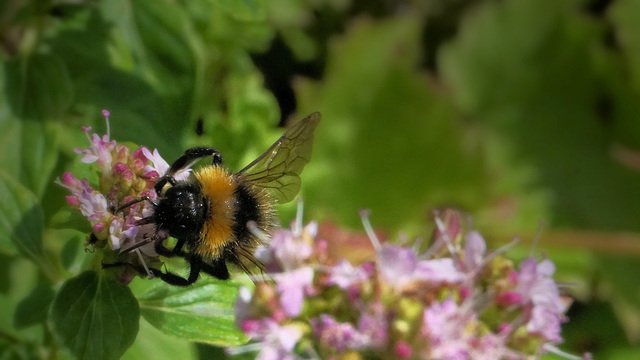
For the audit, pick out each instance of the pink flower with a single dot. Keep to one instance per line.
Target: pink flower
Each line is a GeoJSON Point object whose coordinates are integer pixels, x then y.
{"type": "Point", "coordinates": [403, 350]}
{"type": "Point", "coordinates": [537, 288]}
{"type": "Point", "coordinates": [474, 250]}
{"type": "Point", "coordinates": [276, 341]}
{"type": "Point", "coordinates": [491, 347]}
{"type": "Point", "coordinates": [93, 205]}
{"type": "Point", "coordinates": [289, 250]}
{"type": "Point", "coordinates": [438, 270]}
{"type": "Point", "coordinates": [292, 286]}
{"type": "Point", "coordinates": [374, 324]}
{"type": "Point", "coordinates": [119, 231]}
{"type": "Point", "coordinates": [445, 327]}
{"type": "Point", "coordinates": [99, 151]}
{"type": "Point", "coordinates": [545, 323]}
{"type": "Point", "coordinates": [343, 274]}
{"type": "Point", "coordinates": [397, 264]}
{"type": "Point", "coordinates": [337, 335]}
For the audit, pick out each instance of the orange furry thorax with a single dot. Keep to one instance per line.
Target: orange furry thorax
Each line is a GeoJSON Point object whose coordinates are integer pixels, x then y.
{"type": "Point", "coordinates": [218, 186]}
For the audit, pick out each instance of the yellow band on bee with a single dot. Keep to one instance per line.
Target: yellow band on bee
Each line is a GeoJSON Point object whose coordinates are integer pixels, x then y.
{"type": "Point", "coordinates": [218, 187]}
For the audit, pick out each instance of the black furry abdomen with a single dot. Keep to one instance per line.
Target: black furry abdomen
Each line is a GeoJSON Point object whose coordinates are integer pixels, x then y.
{"type": "Point", "coordinates": [247, 209]}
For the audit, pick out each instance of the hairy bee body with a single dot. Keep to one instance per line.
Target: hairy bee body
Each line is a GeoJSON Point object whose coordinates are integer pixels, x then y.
{"type": "Point", "coordinates": [209, 214]}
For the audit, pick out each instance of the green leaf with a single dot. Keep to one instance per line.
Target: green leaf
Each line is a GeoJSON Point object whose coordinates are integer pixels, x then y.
{"type": "Point", "coordinates": [69, 255]}
{"type": "Point", "coordinates": [525, 69]}
{"type": "Point", "coordinates": [38, 154]}
{"type": "Point", "coordinates": [202, 312]}
{"type": "Point", "coordinates": [157, 32]}
{"type": "Point", "coordinates": [247, 10]}
{"type": "Point", "coordinates": [21, 219]}
{"type": "Point", "coordinates": [33, 145]}
{"type": "Point", "coordinates": [152, 343]}
{"type": "Point", "coordinates": [625, 16]}
{"type": "Point", "coordinates": [34, 308]}
{"type": "Point", "coordinates": [389, 136]}
{"type": "Point", "coordinates": [38, 87]}
{"type": "Point", "coordinates": [95, 317]}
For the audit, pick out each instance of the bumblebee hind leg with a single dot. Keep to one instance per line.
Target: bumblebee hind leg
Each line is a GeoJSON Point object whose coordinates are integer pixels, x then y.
{"type": "Point", "coordinates": [217, 269]}
{"type": "Point", "coordinates": [176, 251]}
{"type": "Point", "coordinates": [177, 280]}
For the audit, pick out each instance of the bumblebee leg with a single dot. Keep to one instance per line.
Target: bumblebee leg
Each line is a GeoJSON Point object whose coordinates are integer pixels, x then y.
{"type": "Point", "coordinates": [217, 269]}
{"type": "Point", "coordinates": [189, 157]}
{"type": "Point", "coordinates": [176, 251]}
{"type": "Point", "coordinates": [162, 181]}
{"type": "Point", "coordinates": [177, 280]}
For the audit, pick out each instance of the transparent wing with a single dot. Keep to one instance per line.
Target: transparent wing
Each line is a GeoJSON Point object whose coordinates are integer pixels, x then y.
{"type": "Point", "coordinates": [278, 169]}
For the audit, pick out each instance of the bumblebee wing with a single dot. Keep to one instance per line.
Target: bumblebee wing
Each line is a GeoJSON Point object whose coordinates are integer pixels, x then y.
{"type": "Point", "coordinates": [278, 169]}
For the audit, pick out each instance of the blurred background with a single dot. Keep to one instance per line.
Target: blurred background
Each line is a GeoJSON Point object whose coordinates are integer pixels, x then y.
{"type": "Point", "coordinates": [525, 114]}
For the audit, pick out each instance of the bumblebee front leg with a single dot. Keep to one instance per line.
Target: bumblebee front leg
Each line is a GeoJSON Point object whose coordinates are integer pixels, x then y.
{"type": "Point", "coordinates": [190, 157]}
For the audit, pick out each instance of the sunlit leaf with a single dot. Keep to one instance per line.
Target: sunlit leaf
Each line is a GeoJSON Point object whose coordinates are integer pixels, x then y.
{"type": "Point", "coordinates": [202, 312]}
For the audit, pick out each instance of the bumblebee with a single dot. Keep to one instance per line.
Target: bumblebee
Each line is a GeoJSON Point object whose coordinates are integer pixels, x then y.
{"type": "Point", "coordinates": [209, 214]}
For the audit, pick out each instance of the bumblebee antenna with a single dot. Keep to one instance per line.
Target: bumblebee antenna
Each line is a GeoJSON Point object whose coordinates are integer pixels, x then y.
{"type": "Point", "coordinates": [133, 202]}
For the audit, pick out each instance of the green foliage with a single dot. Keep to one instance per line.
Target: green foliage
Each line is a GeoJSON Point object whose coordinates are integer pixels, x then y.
{"type": "Point", "coordinates": [33, 309]}
{"type": "Point", "coordinates": [406, 162]}
{"type": "Point", "coordinates": [513, 110]}
{"type": "Point", "coordinates": [21, 219]}
{"type": "Point", "coordinates": [202, 312]}
{"type": "Point", "coordinates": [95, 317]}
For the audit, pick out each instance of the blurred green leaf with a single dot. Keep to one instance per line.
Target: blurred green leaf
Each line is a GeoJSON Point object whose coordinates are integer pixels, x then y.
{"type": "Point", "coordinates": [594, 323]}
{"type": "Point", "coordinates": [148, 93]}
{"type": "Point", "coordinates": [38, 154]}
{"type": "Point", "coordinates": [387, 140]}
{"type": "Point", "coordinates": [38, 87]}
{"type": "Point", "coordinates": [202, 312]}
{"type": "Point", "coordinates": [620, 71]}
{"type": "Point", "coordinates": [33, 146]}
{"type": "Point", "coordinates": [625, 16]}
{"type": "Point", "coordinates": [617, 270]}
{"type": "Point", "coordinates": [34, 308]}
{"type": "Point", "coordinates": [71, 249]}
{"type": "Point", "coordinates": [151, 343]}
{"type": "Point", "coordinates": [95, 317]}
{"type": "Point", "coordinates": [157, 34]}
{"type": "Point", "coordinates": [546, 112]}
{"type": "Point", "coordinates": [243, 9]}
{"type": "Point", "coordinates": [21, 219]}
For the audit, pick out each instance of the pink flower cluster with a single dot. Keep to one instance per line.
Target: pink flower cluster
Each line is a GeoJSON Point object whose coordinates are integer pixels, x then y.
{"type": "Point", "coordinates": [451, 301]}
{"type": "Point", "coordinates": [123, 176]}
